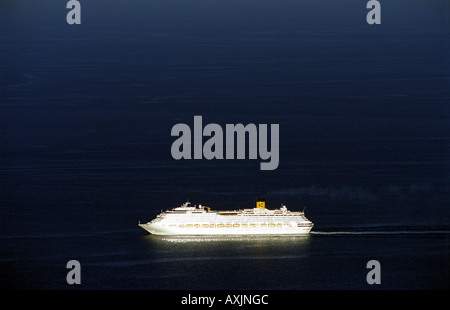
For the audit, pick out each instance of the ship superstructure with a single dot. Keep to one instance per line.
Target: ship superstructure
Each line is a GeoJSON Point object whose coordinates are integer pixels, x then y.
{"type": "Point", "coordinates": [189, 219]}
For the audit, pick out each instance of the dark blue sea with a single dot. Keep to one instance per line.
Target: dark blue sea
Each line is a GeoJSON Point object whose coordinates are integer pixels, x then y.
{"type": "Point", "coordinates": [86, 112]}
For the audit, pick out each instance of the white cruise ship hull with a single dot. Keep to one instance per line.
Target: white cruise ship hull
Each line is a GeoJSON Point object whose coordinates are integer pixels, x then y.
{"type": "Point", "coordinates": [159, 229]}
{"type": "Point", "coordinates": [188, 220]}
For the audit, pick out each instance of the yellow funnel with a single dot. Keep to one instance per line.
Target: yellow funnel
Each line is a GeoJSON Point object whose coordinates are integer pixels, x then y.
{"type": "Point", "coordinates": [260, 203]}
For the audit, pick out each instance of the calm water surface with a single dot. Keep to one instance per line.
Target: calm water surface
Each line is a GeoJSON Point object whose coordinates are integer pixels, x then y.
{"type": "Point", "coordinates": [85, 119]}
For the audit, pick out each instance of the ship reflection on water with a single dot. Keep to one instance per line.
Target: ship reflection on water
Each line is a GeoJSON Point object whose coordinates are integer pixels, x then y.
{"type": "Point", "coordinates": [261, 240]}
{"type": "Point", "coordinates": [228, 247]}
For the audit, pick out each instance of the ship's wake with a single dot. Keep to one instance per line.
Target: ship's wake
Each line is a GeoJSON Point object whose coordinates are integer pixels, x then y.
{"type": "Point", "coordinates": [385, 232]}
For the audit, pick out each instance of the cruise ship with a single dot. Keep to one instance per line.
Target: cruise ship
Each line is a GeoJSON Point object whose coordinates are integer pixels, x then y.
{"type": "Point", "coordinates": [194, 220]}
